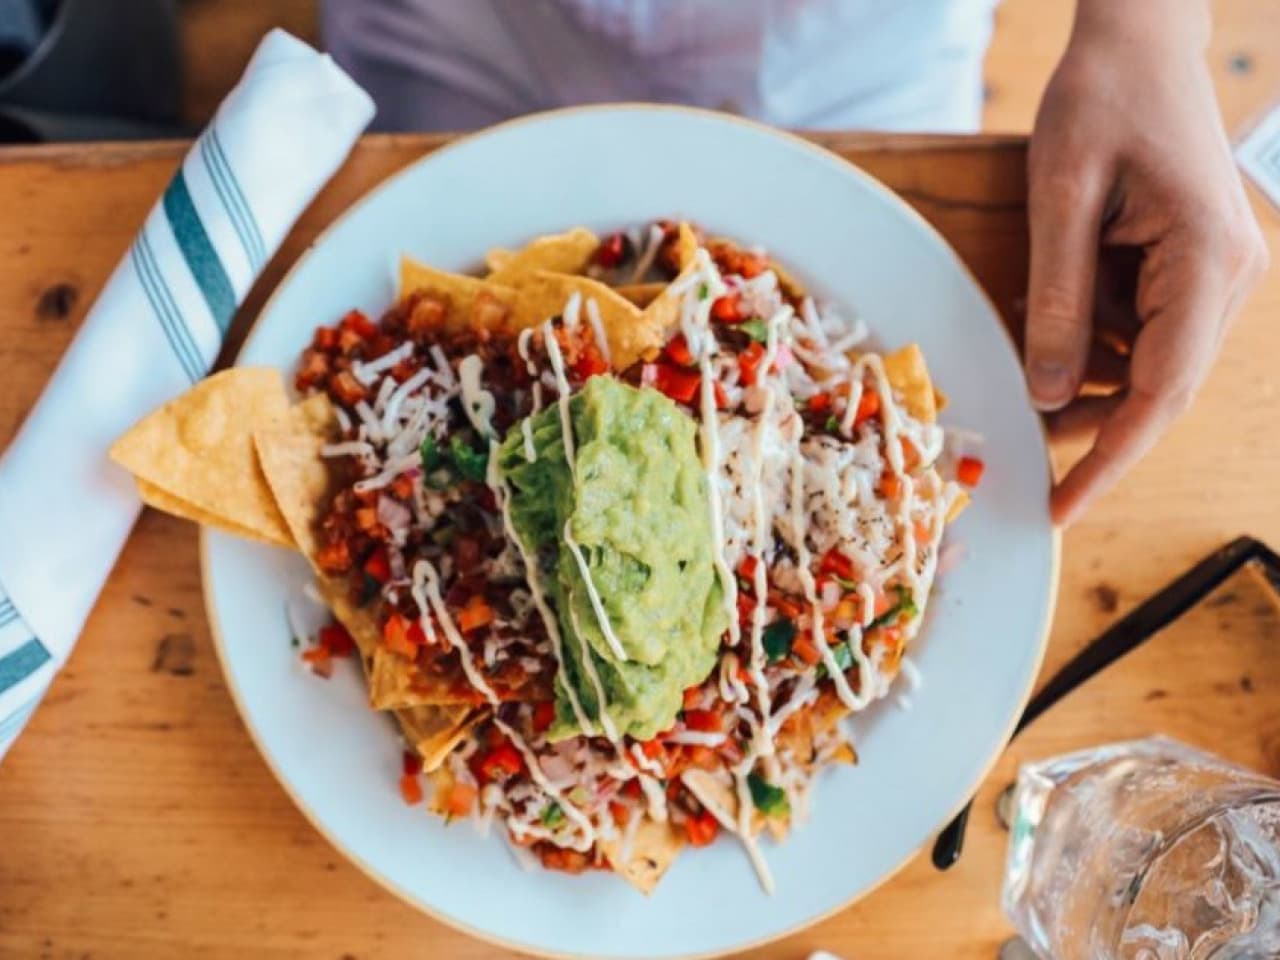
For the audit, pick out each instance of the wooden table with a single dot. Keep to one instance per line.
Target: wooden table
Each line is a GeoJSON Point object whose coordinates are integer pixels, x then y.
{"type": "Point", "coordinates": [137, 820]}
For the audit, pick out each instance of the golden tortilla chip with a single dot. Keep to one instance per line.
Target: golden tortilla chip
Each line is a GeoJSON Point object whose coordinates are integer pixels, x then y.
{"type": "Point", "coordinates": [198, 449]}
{"type": "Point", "coordinates": [909, 376]}
{"type": "Point", "coordinates": [663, 313]}
{"type": "Point", "coordinates": [653, 849]}
{"type": "Point", "coordinates": [153, 496]}
{"type": "Point", "coordinates": [961, 501]}
{"type": "Point", "coordinates": [435, 731]}
{"type": "Point", "coordinates": [631, 337]}
{"type": "Point", "coordinates": [567, 252]}
{"type": "Point", "coordinates": [641, 294]}
{"type": "Point", "coordinates": [472, 301]}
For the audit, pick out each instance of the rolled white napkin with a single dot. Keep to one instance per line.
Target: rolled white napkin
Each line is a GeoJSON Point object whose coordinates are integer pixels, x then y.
{"type": "Point", "coordinates": [65, 510]}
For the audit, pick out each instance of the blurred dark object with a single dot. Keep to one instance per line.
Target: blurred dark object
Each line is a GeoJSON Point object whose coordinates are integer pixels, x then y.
{"type": "Point", "coordinates": [73, 70]}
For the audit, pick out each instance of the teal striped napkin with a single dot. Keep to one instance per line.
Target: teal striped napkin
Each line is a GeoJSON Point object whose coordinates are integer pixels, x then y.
{"type": "Point", "coordinates": [156, 328]}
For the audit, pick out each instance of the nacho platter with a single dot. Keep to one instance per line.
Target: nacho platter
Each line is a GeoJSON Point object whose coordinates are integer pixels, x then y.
{"type": "Point", "coordinates": [619, 531]}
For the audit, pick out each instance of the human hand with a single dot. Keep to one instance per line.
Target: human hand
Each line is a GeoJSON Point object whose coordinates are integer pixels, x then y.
{"type": "Point", "coordinates": [1129, 151]}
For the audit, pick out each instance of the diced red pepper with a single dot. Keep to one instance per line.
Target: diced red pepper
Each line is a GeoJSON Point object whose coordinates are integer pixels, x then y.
{"type": "Point", "coordinates": [336, 640]}
{"type": "Point", "coordinates": [378, 565]}
{"type": "Point", "coordinates": [890, 485]}
{"type": "Point", "coordinates": [969, 471]}
{"type": "Point", "coordinates": [476, 614]}
{"type": "Point", "coordinates": [751, 265]}
{"type": "Point", "coordinates": [804, 649]}
{"type": "Point", "coordinates": [705, 721]}
{"type": "Point", "coordinates": [680, 385]}
{"type": "Point", "coordinates": [320, 660]}
{"type": "Point", "coordinates": [747, 568]}
{"type": "Point", "coordinates": [749, 363]}
{"type": "Point", "coordinates": [411, 790]}
{"type": "Point", "coordinates": [358, 323]}
{"type": "Point", "coordinates": [835, 563]}
{"type": "Point", "coordinates": [722, 398]}
{"type": "Point", "coordinates": [544, 714]}
{"type": "Point", "coordinates": [702, 829]}
{"type": "Point", "coordinates": [868, 406]}
{"type": "Point", "coordinates": [395, 635]}
{"type": "Point", "coordinates": [692, 697]}
{"type": "Point", "coordinates": [631, 788]}
{"type": "Point", "coordinates": [677, 350]}
{"type": "Point", "coordinates": [620, 812]}
{"type": "Point", "coordinates": [704, 758]}
{"type": "Point", "coordinates": [417, 636]}
{"type": "Point", "coordinates": [820, 403]}
{"type": "Point", "coordinates": [325, 338]}
{"type": "Point", "coordinates": [459, 798]}
{"type": "Point", "coordinates": [589, 364]}
{"type": "Point", "coordinates": [501, 762]}
{"type": "Point", "coordinates": [728, 309]}
{"type": "Point", "coordinates": [411, 763]}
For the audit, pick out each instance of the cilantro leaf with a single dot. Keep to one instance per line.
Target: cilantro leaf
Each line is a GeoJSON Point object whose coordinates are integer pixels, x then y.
{"type": "Point", "coordinates": [832, 425]}
{"type": "Point", "coordinates": [777, 639]}
{"type": "Point", "coordinates": [905, 607]}
{"type": "Point", "coordinates": [552, 815]}
{"type": "Point", "coordinates": [703, 291]}
{"type": "Point", "coordinates": [756, 329]}
{"type": "Point", "coordinates": [430, 453]}
{"type": "Point", "coordinates": [843, 657]}
{"type": "Point", "coordinates": [471, 464]}
{"type": "Point", "coordinates": [768, 799]}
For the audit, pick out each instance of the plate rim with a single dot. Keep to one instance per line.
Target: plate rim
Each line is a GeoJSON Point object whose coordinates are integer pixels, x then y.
{"type": "Point", "coordinates": [827, 156]}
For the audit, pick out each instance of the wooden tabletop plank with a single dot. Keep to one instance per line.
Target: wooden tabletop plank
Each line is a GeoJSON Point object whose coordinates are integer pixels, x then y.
{"type": "Point", "coordinates": [137, 820]}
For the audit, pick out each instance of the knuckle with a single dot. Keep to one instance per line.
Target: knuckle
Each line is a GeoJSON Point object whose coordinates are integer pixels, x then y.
{"type": "Point", "coordinates": [1055, 312]}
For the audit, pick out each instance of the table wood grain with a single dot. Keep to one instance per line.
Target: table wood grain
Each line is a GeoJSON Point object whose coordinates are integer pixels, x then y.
{"type": "Point", "coordinates": [137, 820]}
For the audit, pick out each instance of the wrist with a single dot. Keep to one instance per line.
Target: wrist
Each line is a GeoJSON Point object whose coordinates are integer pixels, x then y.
{"type": "Point", "coordinates": [1184, 24]}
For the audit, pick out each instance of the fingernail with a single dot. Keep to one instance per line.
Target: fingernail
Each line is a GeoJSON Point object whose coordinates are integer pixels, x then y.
{"type": "Point", "coordinates": [1050, 384]}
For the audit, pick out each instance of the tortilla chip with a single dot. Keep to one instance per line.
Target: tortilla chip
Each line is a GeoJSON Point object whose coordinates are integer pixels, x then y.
{"type": "Point", "coordinates": [198, 449]}
{"type": "Point", "coordinates": [663, 313]}
{"type": "Point", "coordinates": [631, 337]}
{"type": "Point", "coordinates": [566, 252]}
{"type": "Point", "coordinates": [653, 849]}
{"type": "Point", "coordinates": [909, 376]}
{"type": "Point", "coordinates": [641, 294]}
{"type": "Point", "coordinates": [497, 258]}
{"type": "Point", "coordinates": [464, 295]}
{"type": "Point", "coordinates": [961, 501]}
{"type": "Point", "coordinates": [153, 496]}
{"type": "Point", "coordinates": [435, 731]}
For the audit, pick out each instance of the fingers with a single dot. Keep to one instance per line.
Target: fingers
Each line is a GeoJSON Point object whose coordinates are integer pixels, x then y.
{"type": "Point", "coordinates": [1083, 417]}
{"type": "Point", "coordinates": [1066, 210]}
{"type": "Point", "coordinates": [1170, 358]}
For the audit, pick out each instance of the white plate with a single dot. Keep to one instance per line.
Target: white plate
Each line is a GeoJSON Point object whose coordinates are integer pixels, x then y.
{"type": "Point", "coordinates": [858, 245]}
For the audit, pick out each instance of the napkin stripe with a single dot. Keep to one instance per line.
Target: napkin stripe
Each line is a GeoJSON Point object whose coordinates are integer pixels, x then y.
{"type": "Point", "coordinates": [232, 197]}
{"type": "Point", "coordinates": [10, 726]}
{"type": "Point", "coordinates": [21, 663]}
{"type": "Point", "coordinates": [179, 337]}
{"type": "Point", "coordinates": [197, 249]}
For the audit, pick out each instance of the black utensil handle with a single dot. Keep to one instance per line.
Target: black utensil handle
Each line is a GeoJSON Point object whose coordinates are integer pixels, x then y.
{"type": "Point", "coordinates": [1128, 633]}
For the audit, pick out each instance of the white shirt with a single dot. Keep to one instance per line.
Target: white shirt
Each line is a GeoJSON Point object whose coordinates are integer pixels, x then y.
{"type": "Point", "coordinates": [854, 64]}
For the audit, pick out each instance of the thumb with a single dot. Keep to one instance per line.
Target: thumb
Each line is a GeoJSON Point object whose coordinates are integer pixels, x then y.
{"type": "Point", "coordinates": [1065, 211]}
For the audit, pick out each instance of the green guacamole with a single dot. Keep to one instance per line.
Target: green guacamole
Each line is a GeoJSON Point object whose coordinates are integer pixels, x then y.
{"type": "Point", "coordinates": [636, 505]}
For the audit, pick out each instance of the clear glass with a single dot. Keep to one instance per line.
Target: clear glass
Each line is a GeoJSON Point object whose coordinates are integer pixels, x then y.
{"type": "Point", "coordinates": [1147, 850]}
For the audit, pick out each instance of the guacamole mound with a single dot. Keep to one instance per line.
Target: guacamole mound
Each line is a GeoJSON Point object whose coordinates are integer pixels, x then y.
{"type": "Point", "coordinates": [636, 505]}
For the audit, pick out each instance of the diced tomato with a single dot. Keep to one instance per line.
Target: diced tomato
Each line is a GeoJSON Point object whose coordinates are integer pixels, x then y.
{"type": "Point", "coordinates": [722, 398]}
{"type": "Point", "coordinates": [501, 762]}
{"type": "Point", "coordinates": [704, 758]}
{"type": "Point", "coordinates": [728, 309]}
{"type": "Point", "coordinates": [704, 721]}
{"type": "Point", "coordinates": [476, 614]}
{"type": "Point", "coordinates": [805, 650]}
{"type": "Point", "coordinates": [746, 606]}
{"type": "Point", "coordinates": [677, 351]}
{"type": "Point", "coordinates": [868, 406]}
{"type": "Point", "coordinates": [747, 568]}
{"type": "Point", "coordinates": [923, 532]}
{"type": "Point", "coordinates": [544, 714]}
{"type": "Point", "coordinates": [890, 485]}
{"type": "Point", "coordinates": [653, 750]}
{"type": "Point", "coordinates": [358, 323]}
{"type": "Point", "coordinates": [325, 338]}
{"type": "Point", "coordinates": [411, 763]}
{"type": "Point", "coordinates": [834, 563]}
{"type": "Point", "coordinates": [910, 454]}
{"type": "Point", "coordinates": [692, 697]}
{"type": "Point", "coordinates": [367, 519]}
{"type": "Point", "coordinates": [880, 603]}
{"type": "Point", "coordinates": [417, 636]}
{"type": "Point", "coordinates": [320, 660]}
{"type": "Point", "coordinates": [458, 800]}
{"type": "Point", "coordinates": [969, 471]}
{"type": "Point", "coordinates": [402, 486]}
{"type": "Point", "coordinates": [612, 250]}
{"type": "Point", "coordinates": [631, 788]}
{"type": "Point", "coordinates": [336, 640]}
{"type": "Point", "coordinates": [378, 565]}
{"type": "Point", "coordinates": [678, 384]}
{"type": "Point", "coordinates": [563, 859]}
{"type": "Point", "coordinates": [846, 612]}
{"type": "Point", "coordinates": [752, 265]}
{"type": "Point", "coordinates": [702, 829]}
{"type": "Point", "coordinates": [749, 363]}
{"type": "Point", "coordinates": [620, 812]}
{"type": "Point", "coordinates": [411, 790]}
{"type": "Point", "coordinates": [786, 606]}
{"type": "Point", "coordinates": [820, 403]}
{"type": "Point", "coordinates": [589, 364]}
{"type": "Point", "coordinates": [395, 635]}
